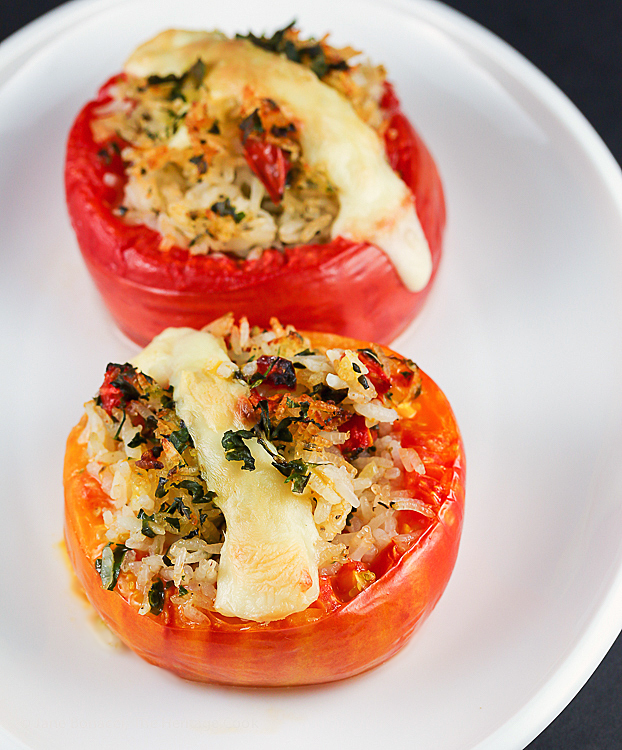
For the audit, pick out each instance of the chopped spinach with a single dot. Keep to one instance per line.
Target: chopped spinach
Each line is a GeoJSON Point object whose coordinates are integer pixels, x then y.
{"type": "Point", "coordinates": [295, 471]}
{"type": "Point", "coordinates": [161, 488]}
{"type": "Point", "coordinates": [237, 450]}
{"type": "Point", "coordinates": [146, 529]}
{"type": "Point", "coordinates": [194, 489]}
{"type": "Point", "coordinates": [137, 440]}
{"type": "Point", "coordinates": [156, 597]}
{"type": "Point", "coordinates": [251, 124]}
{"type": "Point", "coordinates": [224, 208]}
{"type": "Point", "coordinates": [109, 564]}
{"type": "Point", "coordinates": [325, 393]}
{"type": "Point", "coordinates": [181, 439]}
{"type": "Point", "coordinates": [312, 54]}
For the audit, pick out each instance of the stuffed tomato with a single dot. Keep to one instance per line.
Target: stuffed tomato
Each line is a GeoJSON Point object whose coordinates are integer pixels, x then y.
{"type": "Point", "coordinates": [261, 507]}
{"type": "Point", "coordinates": [263, 176]}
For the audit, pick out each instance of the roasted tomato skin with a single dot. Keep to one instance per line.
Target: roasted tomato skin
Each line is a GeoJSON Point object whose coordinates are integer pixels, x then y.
{"type": "Point", "coordinates": [342, 286]}
{"type": "Point", "coordinates": [333, 639]}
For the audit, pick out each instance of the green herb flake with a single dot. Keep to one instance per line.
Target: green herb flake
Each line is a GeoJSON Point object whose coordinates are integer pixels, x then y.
{"type": "Point", "coordinates": [296, 473]}
{"type": "Point", "coordinates": [146, 529]}
{"type": "Point", "coordinates": [109, 565]}
{"type": "Point", "coordinates": [128, 391]}
{"type": "Point", "coordinates": [196, 74]}
{"type": "Point", "coordinates": [275, 43]}
{"type": "Point", "coordinates": [156, 597]}
{"type": "Point", "coordinates": [195, 490]}
{"type": "Point", "coordinates": [137, 440]}
{"type": "Point", "coordinates": [251, 124]}
{"type": "Point", "coordinates": [173, 522]}
{"type": "Point", "coordinates": [118, 432]}
{"type": "Point", "coordinates": [161, 490]}
{"type": "Point", "coordinates": [237, 450]}
{"type": "Point", "coordinates": [200, 163]}
{"type": "Point", "coordinates": [181, 439]}
{"type": "Point", "coordinates": [224, 208]}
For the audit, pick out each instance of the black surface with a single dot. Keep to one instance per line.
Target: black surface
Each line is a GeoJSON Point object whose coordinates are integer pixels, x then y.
{"type": "Point", "coordinates": [579, 47]}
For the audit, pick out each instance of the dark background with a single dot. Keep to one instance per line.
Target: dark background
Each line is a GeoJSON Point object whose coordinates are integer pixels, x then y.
{"type": "Point", "coordinates": [578, 45]}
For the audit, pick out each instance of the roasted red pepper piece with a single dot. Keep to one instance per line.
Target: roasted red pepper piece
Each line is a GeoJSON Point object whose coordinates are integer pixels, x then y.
{"type": "Point", "coordinates": [360, 436]}
{"type": "Point", "coordinates": [270, 163]}
{"type": "Point", "coordinates": [109, 395]}
{"type": "Point", "coordinates": [376, 374]}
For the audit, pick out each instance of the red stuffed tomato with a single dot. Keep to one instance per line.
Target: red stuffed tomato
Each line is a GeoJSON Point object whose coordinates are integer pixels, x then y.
{"type": "Point", "coordinates": [259, 176]}
{"type": "Point", "coordinates": [263, 508]}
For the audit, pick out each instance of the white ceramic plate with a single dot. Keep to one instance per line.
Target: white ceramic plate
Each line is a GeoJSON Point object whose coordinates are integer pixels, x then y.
{"type": "Point", "coordinates": [523, 332]}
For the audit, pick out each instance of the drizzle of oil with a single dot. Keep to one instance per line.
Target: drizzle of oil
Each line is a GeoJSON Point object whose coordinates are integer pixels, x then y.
{"type": "Point", "coordinates": [104, 635]}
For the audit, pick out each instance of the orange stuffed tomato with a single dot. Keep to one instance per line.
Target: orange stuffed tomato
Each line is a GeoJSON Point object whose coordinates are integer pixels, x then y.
{"type": "Point", "coordinates": [266, 176]}
{"type": "Point", "coordinates": [261, 507]}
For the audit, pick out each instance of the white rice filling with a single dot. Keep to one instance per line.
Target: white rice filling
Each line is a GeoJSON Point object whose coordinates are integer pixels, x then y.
{"type": "Point", "coordinates": [366, 492]}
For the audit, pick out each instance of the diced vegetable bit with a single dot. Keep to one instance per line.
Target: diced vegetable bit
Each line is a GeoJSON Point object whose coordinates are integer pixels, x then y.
{"type": "Point", "coordinates": [109, 564]}
{"type": "Point", "coordinates": [276, 372]}
{"type": "Point", "coordinates": [149, 459]}
{"type": "Point", "coordinates": [360, 436]}
{"type": "Point", "coordinates": [117, 388]}
{"type": "Point", "coordinates": [271, 164]}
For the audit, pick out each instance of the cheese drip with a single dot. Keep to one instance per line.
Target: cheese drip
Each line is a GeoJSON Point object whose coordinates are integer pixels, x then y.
{"type": "Point", "coordinates": [268, 565]}
{"type": "Point", "coordinates": [376, 206]}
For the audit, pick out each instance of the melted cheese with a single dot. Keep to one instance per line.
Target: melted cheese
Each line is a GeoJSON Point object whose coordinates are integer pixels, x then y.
{"type": "Point", "coordinates": [375, 204]}
{"type": "Point", "coordinates": [268, 566]}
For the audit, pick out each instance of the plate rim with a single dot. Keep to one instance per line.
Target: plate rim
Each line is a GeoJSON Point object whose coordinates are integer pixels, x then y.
{"type": "Point", "coordinates": [602, 629]}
